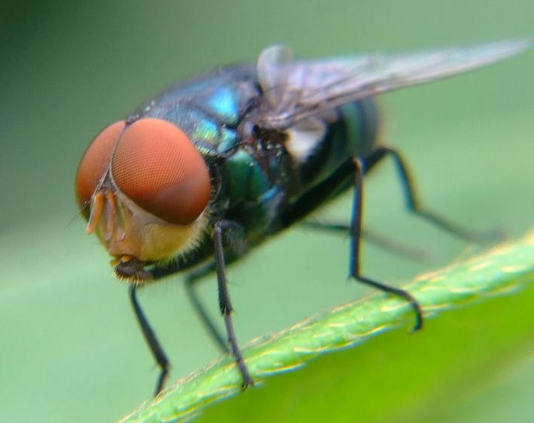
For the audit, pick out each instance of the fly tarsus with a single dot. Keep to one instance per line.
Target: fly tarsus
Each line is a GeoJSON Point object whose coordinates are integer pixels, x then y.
{"type": "Point", "coordinates": [399, 293]}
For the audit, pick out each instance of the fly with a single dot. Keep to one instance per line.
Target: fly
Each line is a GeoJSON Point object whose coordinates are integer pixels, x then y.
{"type": "Point", "coordinates": [206, 171]}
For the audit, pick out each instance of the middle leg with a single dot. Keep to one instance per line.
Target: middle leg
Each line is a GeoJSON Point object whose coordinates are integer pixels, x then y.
{"type": "Point", "coordinates": [191, 284]}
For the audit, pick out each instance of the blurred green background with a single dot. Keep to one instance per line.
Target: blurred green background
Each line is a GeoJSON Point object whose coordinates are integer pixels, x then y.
{"type": "Point", "coordinates": [69, 346]}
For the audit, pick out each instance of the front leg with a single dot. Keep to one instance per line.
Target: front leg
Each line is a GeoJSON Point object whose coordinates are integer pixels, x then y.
{"type": "Point", "coordinates": [223, 230]}
{"type": "Point", "coordinates": [225, 304]}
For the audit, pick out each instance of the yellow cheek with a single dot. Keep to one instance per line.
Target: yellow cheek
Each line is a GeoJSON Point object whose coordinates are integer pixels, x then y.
{"type": "Point", "coordinates": [130, 231]}
{"type": "Point", "coordinates": [164, 241]}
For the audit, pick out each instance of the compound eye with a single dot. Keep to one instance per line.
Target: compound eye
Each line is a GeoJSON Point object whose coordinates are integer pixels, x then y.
{"type": "Point", "coordinates": [158, 168]}
{"type": "Point", "coordinates": [95, 162]}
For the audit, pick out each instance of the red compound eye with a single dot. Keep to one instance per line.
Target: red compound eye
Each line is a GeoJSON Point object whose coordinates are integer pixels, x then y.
{"type": "Point", "coordinates": [158, 167]}
{"type": "Point", "coordinates": [95, 162]}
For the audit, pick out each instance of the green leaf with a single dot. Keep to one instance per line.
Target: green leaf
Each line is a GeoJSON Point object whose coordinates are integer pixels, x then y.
{"type": "Point", "coordinates": [502, 270]}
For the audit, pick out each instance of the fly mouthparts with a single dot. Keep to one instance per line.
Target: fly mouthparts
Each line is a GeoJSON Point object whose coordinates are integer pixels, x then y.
{"type": "Point", "coordinates": [131, 269]}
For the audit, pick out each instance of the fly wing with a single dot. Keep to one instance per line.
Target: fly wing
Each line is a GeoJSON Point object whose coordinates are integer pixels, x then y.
{"type": "Point", "coordinates": [295, 90]}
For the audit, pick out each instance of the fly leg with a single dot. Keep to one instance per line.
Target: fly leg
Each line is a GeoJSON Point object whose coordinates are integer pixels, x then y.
{"type": "Point", "coordinates": [191, 283]}
{"type": "Point", "coordinates": [412, 202]}
{"type": "Point", "coordinates": [225, 304]}
{"type": "Point", "coordinates": [372, 237]}
{"type": "Point", "coordinates": [326, 189]}
{"type": "Point", "coordinates": [152, 341]}
{"type": "Point", "coordinates": [356, 232]}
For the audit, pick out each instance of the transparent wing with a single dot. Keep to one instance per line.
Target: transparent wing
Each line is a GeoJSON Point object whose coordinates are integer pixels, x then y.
{"type": "Point", "coordinates": [295, 90]}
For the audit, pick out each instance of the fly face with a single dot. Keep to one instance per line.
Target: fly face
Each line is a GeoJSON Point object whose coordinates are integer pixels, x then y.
{"type": "Point", "coordinates": [146, 188]}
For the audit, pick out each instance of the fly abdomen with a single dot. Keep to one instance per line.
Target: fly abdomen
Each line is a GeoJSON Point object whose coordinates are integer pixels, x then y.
{"type": "Point", "coordinates": [361, 120]}
{"type": "Point", "coordinates": [353, 134]}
